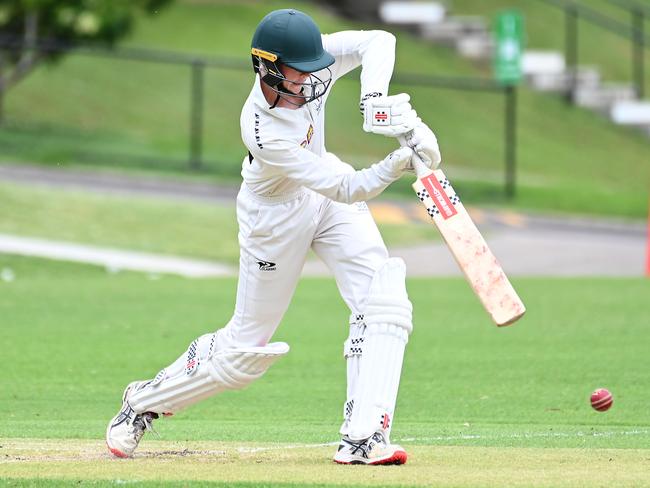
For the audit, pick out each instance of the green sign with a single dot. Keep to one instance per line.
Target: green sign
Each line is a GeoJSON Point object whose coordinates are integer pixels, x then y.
{"type": "Point", "coordinates": [509, 37]}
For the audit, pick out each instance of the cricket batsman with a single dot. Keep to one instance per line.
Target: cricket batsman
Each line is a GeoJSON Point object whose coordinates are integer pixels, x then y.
{"type": "Point", "coordinates": [296, 196]}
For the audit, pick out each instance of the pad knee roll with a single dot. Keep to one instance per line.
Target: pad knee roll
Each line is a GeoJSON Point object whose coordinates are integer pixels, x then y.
{"type": "Point", "coordinates": [388, 301]}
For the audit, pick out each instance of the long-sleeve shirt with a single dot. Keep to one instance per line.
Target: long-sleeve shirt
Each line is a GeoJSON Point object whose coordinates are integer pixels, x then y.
{"type": "Point", "coordinates": [288, 146]}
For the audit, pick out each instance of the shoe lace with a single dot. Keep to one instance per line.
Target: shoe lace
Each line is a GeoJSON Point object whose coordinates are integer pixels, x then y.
{"type": "Point", "coordinates": [364, 447]}
{"type": "Point", "coordinates": [379, 438]}
{"type": "Point", "coordinates": [355, 447]}
{"type": "Point", "coordinates": [142, 423]}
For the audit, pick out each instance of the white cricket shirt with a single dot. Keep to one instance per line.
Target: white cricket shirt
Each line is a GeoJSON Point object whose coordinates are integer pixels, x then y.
{"type": "Point", "coordinates": [288, 146]}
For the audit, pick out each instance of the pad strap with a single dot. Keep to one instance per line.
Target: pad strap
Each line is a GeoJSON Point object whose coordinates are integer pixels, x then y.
{"type": "Point", "coordinates": [352, 351]}
{"type": "Point", "coordinates": [353, 345]}
{"type": "Point", "coordinates": [204, 371]}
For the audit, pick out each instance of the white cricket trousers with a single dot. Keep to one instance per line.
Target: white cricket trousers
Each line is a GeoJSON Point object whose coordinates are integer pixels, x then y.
{"type": "Point", "coordinates": [275, 234]}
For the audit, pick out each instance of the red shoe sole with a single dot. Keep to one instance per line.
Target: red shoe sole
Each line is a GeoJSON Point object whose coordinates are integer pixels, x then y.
{"type": "Point", "coordinates": [399, 457]}
{"type": "Point", "coordinates": [116, 452]}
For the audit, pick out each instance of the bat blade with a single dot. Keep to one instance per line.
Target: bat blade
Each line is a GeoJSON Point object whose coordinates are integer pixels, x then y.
{"type": "Point", "coordinates": [467, 245]}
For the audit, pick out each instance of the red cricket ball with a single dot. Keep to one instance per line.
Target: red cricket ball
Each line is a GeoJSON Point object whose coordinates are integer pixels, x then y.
{"type": "Point", "coordinates": [601, 399]}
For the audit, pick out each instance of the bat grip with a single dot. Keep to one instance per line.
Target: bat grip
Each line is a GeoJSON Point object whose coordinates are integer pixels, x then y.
{"type": "Point", "coordinates": [421, 169]}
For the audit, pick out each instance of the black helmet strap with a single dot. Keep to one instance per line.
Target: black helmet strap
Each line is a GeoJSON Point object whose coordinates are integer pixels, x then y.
{"type": "Point", "coordinates": [277, 99]}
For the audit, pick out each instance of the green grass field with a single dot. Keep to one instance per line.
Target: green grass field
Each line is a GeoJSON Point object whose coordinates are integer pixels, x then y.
{"type": "Point", "coordinates": [479, 406]}
{"type": "Point", "coordinates": [209, 231]}
{"type": "Point", "coordinates": [125, 114]}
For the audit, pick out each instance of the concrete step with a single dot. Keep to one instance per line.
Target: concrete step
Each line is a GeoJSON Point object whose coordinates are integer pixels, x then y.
{"type": "Point", "coordinates": [603, 97]}
{"type": "Point", "coordinates": [547, 71]}
{"type": "Point", "coordinates": [412, 13]}
{"type": "Point", "coordinates": [634, 113]}
{"type": "Point", "coordinates": [587, 77]}
{"type": "Point", "coordinates": [452, 29]}
{"type": "Point", "coordinates": [535, 62]}
{"type": "Point", "coordinates": [478, 46]}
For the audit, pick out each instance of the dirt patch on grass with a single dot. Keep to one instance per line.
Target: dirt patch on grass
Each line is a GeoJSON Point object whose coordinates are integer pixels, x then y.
{"type": "Point", "coordinates": [309, 464]}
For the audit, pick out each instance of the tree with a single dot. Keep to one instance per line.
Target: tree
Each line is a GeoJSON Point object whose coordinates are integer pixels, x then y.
{"type": "Point", "coordinates": [27, 26]}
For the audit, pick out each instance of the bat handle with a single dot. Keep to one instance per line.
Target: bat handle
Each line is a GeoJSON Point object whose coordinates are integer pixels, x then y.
{"type": "Point", "coordinates": [421, 169]}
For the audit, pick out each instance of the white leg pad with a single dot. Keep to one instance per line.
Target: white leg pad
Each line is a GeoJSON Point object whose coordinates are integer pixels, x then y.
{"type": "Point", "coordinates": [388, 319]}
{"type": "Point", "coordinates": [203, 371]}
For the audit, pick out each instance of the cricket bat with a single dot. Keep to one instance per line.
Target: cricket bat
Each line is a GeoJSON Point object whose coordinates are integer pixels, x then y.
{"type": "Point", "coordinates": [481, 268]}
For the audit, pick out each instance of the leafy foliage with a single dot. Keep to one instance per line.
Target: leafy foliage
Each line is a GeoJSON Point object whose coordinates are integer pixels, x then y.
{"type": "Point", "coordinates": [26, 24]}
{"type": "Point", "coordinates": [73, 20]}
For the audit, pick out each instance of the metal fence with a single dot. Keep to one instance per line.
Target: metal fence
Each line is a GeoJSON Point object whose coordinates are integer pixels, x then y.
{"type": "Point", "coordinates": [634, 31]}
{"type": "Point", "coordinates": [198, 67]}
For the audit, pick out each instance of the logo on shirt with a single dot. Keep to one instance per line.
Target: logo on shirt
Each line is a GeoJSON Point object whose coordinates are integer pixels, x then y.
{"type": "Point", "coordinates": [257, 131]}
{"type": "Point", "coordinates": [266, 265]}
{"type": "Point", "coordinates": [310, 133]}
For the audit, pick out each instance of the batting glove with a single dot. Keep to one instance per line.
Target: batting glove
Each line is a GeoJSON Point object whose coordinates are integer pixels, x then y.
{"type": "Point", "coordinates": [398, 161]}
{"type": "Point", "coordinates": [389, 116]}
{"type": "Point", "coordinates": [424, 142]}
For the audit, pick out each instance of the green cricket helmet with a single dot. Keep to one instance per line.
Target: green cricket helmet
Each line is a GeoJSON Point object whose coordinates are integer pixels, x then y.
{"type": "Point", "coordinates": [292, 38]}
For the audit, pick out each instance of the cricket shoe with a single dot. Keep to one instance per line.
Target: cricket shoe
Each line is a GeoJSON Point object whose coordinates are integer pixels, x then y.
{"type": "Point", "coordinates": [125, 430]}
{"type": "Point", "coordinates": [373, 450]}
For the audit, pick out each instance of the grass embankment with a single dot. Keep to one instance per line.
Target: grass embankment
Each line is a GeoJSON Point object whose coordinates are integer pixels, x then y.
{"type": "Point", "coordinates": [128, 114]}
{"type": "Point", "coordinates": [598, 47]}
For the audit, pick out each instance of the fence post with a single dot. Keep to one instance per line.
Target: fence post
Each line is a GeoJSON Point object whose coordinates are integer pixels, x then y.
{"type": "Point", "coordinates": [2, 96]}
{"type": "Point", "coordinates": [638, 51]}
{"type": "Point", "coordinates": [647, 244]}
{"type": "Point", "coordinates": [196, 114]}
{"type": "Point", "coordinates": [510, 138]}
{"type": "Point", "coordinates": [2, 88]}
{"type": "Point", "coordinates": [571, 47]}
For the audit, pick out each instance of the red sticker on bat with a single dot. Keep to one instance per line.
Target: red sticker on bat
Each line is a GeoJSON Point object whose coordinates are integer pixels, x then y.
{"type": "Point", "coordinates": [439, 197]}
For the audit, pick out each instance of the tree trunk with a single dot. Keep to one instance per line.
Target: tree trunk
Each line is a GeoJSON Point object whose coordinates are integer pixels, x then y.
{"type": "Point", "coordinates": [31, 36]}
{"type": "Point", "coordinates": [29, 57]}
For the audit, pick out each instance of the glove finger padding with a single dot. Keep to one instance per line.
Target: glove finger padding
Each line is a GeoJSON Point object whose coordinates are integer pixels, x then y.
{"type": "Point", "coordinates": [398, 161]}
{"type": "Point", "coordinates": [423, 141]}
{"type": "Point", "coordinates": [429, 149]}
{"type": "Point", "coordinates": [389, 116]}
{"type": "Point", "coordinates": [400, 108]}
{"type": "Point", "coordinates": [408, 119]}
